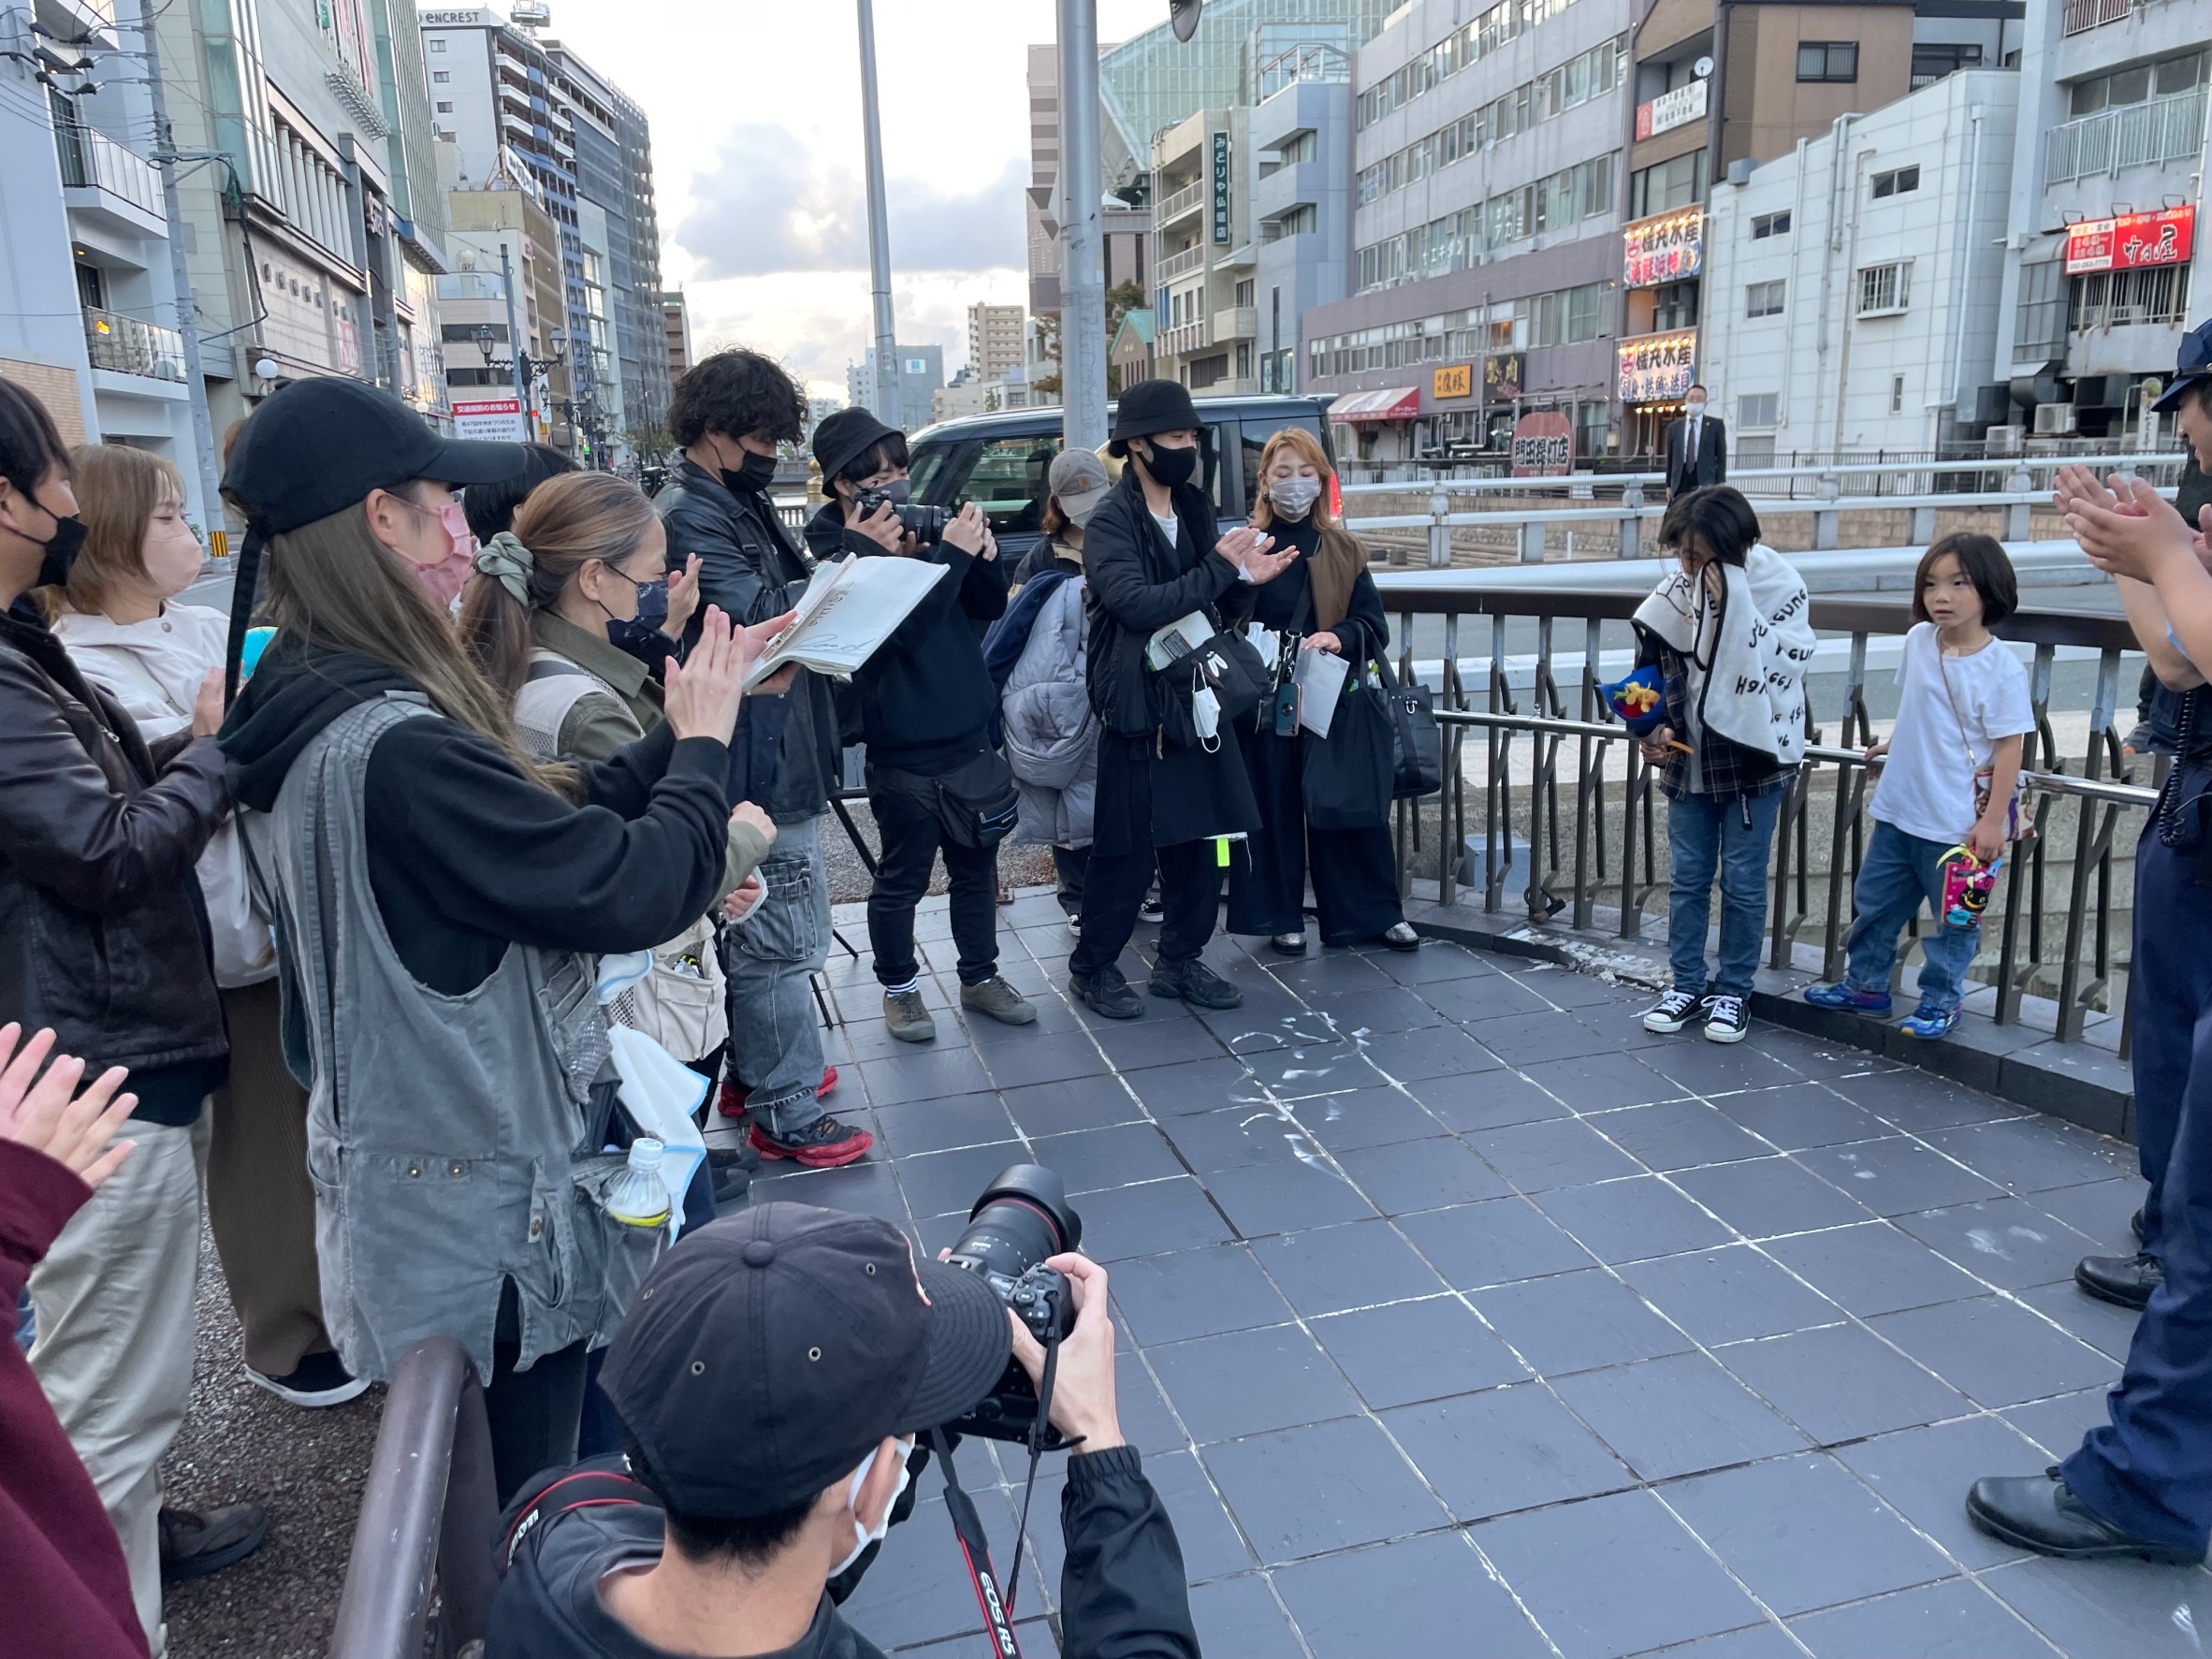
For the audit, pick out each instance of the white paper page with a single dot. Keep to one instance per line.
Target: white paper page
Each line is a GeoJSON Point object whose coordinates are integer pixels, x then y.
{"type": "Point", "coordinates": [1320, 682]}
{"type": "Point", "coordinates": [1266, 641]}
{"type": "Point", "coordinates": [849, 610]}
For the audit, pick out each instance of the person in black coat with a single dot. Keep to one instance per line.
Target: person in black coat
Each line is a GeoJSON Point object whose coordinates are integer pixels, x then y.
{"type": "Point", "coordinates": [1696, 448]}
{"type": "Point", "coordinates": [1325, 602]}
{"type": "Point", "coordinates": [1154, 554]}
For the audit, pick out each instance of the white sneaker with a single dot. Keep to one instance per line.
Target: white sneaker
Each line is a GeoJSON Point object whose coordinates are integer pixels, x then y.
{"type": "Point", "coordinates": [1671, 1012]}
{"type": "Point", "coordinates": [1727, 1019]}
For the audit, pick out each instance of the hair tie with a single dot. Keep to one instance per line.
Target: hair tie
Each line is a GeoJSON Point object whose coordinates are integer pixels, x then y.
{"type": "Point", "coordinates": [509, 563]}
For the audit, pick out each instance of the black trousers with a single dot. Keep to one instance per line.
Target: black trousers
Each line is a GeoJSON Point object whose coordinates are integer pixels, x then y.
{"type": "Point", "coordinates": [912, 836]}
{"type": "Point", "coordinates": [1114, 886]}
{"type": "Point", "coordinates": [1354, 871]}
{"type": "Point", "coordinates": [1070, 864]}
{"type": "Point", "coordinates": [533, 1415]}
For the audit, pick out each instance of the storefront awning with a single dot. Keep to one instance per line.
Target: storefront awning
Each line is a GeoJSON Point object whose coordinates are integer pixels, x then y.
{"type": "Point", "coordinates": [1398, 403]}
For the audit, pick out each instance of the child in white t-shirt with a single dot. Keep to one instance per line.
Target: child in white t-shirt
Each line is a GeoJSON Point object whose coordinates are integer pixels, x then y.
{"type": "Point", "coordinates": [1952, 761]}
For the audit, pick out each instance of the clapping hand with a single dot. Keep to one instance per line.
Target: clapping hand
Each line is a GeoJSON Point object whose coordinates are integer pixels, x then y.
{"type": "Point", "coordinates": [683, 597]}
{"type": "Point", "coordinates": [2127, 531]}
{"type": "Point", "coordinates": [705, 689]}
{"type": "Point", "coordinates": [47, 1115]}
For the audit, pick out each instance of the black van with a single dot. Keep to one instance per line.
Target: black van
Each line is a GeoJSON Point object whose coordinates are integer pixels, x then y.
{"type": "Point", "coordinates": [1000, 460]}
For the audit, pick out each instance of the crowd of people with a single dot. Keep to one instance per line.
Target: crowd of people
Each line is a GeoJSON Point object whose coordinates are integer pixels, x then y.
{"type": "Point", "coordinates": [320, 890]}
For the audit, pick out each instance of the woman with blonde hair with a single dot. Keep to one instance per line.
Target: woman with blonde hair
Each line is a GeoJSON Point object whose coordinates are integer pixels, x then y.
{"type": "Point", "coordinates": [1325, 602]}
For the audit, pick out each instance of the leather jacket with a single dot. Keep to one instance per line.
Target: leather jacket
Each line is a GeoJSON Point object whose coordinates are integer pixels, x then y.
{"type": "Point", "coordinates": [101, 928]}
{"type": "Point", "coordinates": [753, 569]}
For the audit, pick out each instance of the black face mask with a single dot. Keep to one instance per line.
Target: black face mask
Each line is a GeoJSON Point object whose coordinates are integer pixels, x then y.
{"type": "Point", "coordinates": [1172, 466]}
{"type": "Point", "coordinates": [638, 638]}
{"type": "Point", "coordinates": [61, 548]}
{"type": "Point", "coordinates": [754, 473]}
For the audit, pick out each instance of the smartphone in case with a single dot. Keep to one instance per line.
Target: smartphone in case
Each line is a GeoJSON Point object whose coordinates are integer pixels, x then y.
{"type": "Point", "coordinates": [1287, 710]}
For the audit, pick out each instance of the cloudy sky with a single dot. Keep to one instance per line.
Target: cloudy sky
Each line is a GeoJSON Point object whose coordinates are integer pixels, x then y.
{"type": "Point", "coordinates": [755, 109]}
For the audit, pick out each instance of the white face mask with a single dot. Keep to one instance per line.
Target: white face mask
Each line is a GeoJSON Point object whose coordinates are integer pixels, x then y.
{"type": "Point", "coordinates": [865, 1537]}
{"type": "Point", "coordinates": [1695, 408]}
{"type": "Point", "coordinates": [1294, 497]}
{"type": "Point", "coordinates": [1081, 517]}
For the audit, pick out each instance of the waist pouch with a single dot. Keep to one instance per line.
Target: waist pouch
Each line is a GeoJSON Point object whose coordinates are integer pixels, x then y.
{"type": "Point", "coordinates": [976, 803]}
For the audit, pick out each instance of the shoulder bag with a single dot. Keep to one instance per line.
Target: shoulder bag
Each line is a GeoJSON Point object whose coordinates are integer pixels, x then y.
{"type": "Point", "coordinates": [2017, 826]}
{"type": "Point", "coordinates": [1417, 743]}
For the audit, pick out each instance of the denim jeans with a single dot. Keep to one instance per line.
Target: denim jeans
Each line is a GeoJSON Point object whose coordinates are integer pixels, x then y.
{"type": "Point", "coordinates": [1899, 871]}
{"type": "Point", "coordinates": [775, 1034]}
{"type": "Point", "coordinates": [1727, 835]}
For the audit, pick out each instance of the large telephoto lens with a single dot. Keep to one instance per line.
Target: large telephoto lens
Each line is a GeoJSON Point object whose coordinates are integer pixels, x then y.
{"type": "Point", "coordinates": [1022, 1218]}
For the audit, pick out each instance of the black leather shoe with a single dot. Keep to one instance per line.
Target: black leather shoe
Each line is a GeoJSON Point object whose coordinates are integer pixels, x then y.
{"type": "Point", "coordinates": [1195, 984]}
{"type": "Point", "coordinates": [2125, 1281]}
{"type": "Point", "coordinates": [2040, 1512]}
{"type": "Point", "coordinates": [2135, 1226]}
{"type": "Point", "coordinates": [1106, 992]}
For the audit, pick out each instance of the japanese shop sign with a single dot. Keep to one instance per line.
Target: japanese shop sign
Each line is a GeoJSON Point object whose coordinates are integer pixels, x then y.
{"type": "Point", "coordinates": [1457, 379]}
{"type": "Point", "coordinates": [1671, 110]}
{"type": "Point", "coordinates": [1221, 187]}
{"type": "Point", "coordinates": [1670, 248]}
{"type": "Point", "coordinates": [1501, 378]}
{"type": "Point", "coordinates": [2131, 241]}
{"type": "Point", "coordinates": [1543, 445]}
{"type": "Point", "coordinates": [1658, 368]}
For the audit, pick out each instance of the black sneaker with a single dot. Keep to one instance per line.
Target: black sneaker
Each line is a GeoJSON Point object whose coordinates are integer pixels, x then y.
{"type": "Point", "coordinates": [198, 1546]}
{"type": "Point", "coordinates": [1727, 1019]}
{"type": "Point", "coordinates": [1106, 992]}
{"type": "Point", "coordinates": [1152, 910]}
{"type": "Point", "coordinates": [1673, 1011]}
{"type": "Point", "coordinates": [318, 1380]}
{"type": "Point", "coordinates": [823, 1144]}
{"type": "Point", "coordinates": [729, 1172]}
{"type": "Point", "coordinates": [1195, 984]}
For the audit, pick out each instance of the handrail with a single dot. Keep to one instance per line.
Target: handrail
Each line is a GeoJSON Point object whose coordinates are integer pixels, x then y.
{"type": "Point", "coordinates": [427, 1515]}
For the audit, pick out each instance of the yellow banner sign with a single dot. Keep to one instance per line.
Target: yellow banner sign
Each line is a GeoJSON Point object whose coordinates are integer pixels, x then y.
{"type": "Point", "coordinates": [1455, 381]}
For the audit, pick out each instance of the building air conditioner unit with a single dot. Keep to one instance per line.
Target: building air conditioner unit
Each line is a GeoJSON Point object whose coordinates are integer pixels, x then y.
{"type": "Point", "coordinates": [2005, 440]}
{"type": "Point", "coordinates": [1739, 171]}
{"type": "Point", "coordinates": [2054, 420]}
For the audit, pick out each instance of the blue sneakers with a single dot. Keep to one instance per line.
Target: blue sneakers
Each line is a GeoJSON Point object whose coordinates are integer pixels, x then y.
{"type": "Point", "coordinates": [1849, 998]}
{"type": "Point", "coordinates": [1929, 1021]}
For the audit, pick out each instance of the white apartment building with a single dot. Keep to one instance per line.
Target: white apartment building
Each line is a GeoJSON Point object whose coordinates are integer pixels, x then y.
{"type": "Point", "coordinates": [1206, 278]}
{"type": "Point", "coordinates": [994, 341]}
{"type": "Point", "coordinates": [2102, 275]}
{"type": "Point", "coordinates": [1850, 286]}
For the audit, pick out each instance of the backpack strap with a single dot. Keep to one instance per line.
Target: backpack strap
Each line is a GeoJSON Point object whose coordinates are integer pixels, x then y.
{"type": "Point", "coordinates": [550, 689]}
{"type": "Point", "coordinates": [592, 1484]}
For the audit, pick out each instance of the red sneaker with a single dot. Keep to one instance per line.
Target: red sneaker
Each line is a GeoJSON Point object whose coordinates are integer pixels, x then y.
{"type": "Point", "coordinates": [735, 1094]}
{"type": "Point", "coordinates": [823, 1144]}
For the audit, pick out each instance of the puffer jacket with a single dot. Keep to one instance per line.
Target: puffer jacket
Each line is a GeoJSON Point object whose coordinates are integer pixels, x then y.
{"type": "Point", "coordinates": [1052, 734]}
{"type": "Point", "coordinates": [101, 933]}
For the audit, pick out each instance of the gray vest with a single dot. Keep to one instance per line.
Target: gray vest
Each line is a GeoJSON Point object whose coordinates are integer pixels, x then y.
{"type": "Point", "coordinates": [450, 1138]}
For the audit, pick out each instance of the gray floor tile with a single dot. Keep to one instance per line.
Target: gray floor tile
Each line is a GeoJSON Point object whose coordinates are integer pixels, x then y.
{"type": "Point", "coordinates": [1873, 1269]}
{"type": "Point", "coordinates": [2108, 1329]}
{"type": "Point", "coordinates": [1414, 1175]}
{"type": "Point", "coordinates": [1231, 1139]}
{"type": "Point", "coordinates": [926, 1075]}
{"type": "Point", "coordinates": [2006, 1241]}
{"type": "Point", "coordinates": [1955, 1620]}
{"type": "Point", "coordinates": [1801, 1115]}
{"type": "Point", "coordinates": [1138, 1045]}
{"type": "Point", "coordinates": [1410, 1351]}
{"type": "Point", "coordinates": [1576, 1322]}
{"type": "Point", "coordinates": [1438, 1051]}
{"type": "Point", "coordinates": [1330, 1270]}
{"type": "Point", "coordinates": [1591, 1082]}
{"type": "Point", "coordinates": [1613, 1576]}
{"type": "Point", "coordinates": [1150, 1220]}
{"type": "Point", "coordinates": [1246, 1382]}
{"type": "Point", "coordinates": [1327, 1486]}
{"type": "Point", "coordinates": [1997, 1352]}
{"type": "Point", "coordinates": [1731, 1295]}
{"type": "Point", "coordinates": [2119, 1607]}
{"type": "Point", "coordinates": [869, 1189]}
{"type": "Point", "coordinates": [1530, 1039]}
{"type": "Point", "coordinates": [1718, 1068]}
{"type": "Point", "coordinates": [1925, 1474]}
{"type": "Point", "coordinates": [1373, 1016]}
{"type": "Point", "coordinates": [1681, 1414]}
{"type": "Point", "coordinates": [1486, 1100]}
{"type": "Point", "coordinates": [1317, 978]}
{"type": "Point", "coordinates": [1212, 1545]}
{"type": "Point", "coordinates": [1761, 1641]}
{"type": "Point", "coordinates": [1197, 1086]}
{"type": "Point", "coordinates": [1897, 1176]}
{"type": "Point", "coordinates": [1148, 1422]}
{"type": "Point", "coordinates": [1494, 997]}
{"type": "Point", "coordinates": [1842, 1383]}
{"type": "Point", "coordinates": [1918, 1101]}
{"type": "Point", "coordinates": [1500, 1243]}
{"type": "Point", "coordinates": [936, 1126]}
{"type": "Point", "coordinates": [2056, 1425]}
{"type": "Point", "coordinates": [1041, 1056]}
{"type": "Point", "coordinates": [1283, 1196]}
{"type": "Point", "coordinates": [1538, 1157]}
{"type": "Point", "coordinates": [1581, 992]}
{"type": "Point", "coordinates": [2034, 1154]}
{"type": "Point", "coordinates": [1508, 1448]}
{"type": "Point", "coordinates": [1679, 1135]}
{"type": "Point", "coordinates": [1802, 1534]}
{"type": "Point", "coordinates": [1377, 1116]}
{"type": "Point", "coordinates": [1766, 1197]}
{"type": "Point", "coordinates": [1631, 1220]}
{"type": "Point", "coordinates": [1317, 1069]}
{"type": "Point", "coordinates": [1239, 1619]}
{"type": "Point", "coordinates": [1091, 1159]}
{"type": "Point", "coordinates": [1433, 962]}
{"type": "Point", "coordinates": [1430, 1593]}
{"type": "Point", "coordinates": [1195, 1293]}
{"type": "Point", "coordinates": [1078, 1103]}
{"type": "Point", "coordinates": [2099, 1211]}
{"type": "Point", "coordinates": [940, 1182]}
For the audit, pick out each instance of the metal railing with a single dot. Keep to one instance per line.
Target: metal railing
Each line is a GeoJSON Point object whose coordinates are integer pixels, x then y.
{"type": "Point", "coordinates": [428, 1515]}
{"type": "Point", "coordinates": [128, 346]}
{"type": "Point", "coordinates": [1181, 202]}
{"type": "Point", "coordinates": [2079, 15]}
{"type": "Point", "coordinates": [1555, 787]}
{"type": "Point", "coordinates": [1182, 264]}
{"type": "Point", "coordinates": [2151, 134]}
{"type": "Point", "coordinates": [91, 160]}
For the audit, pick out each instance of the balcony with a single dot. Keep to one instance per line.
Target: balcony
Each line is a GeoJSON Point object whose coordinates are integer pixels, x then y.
{"type": "Point", "coordinates": [2077, 17]}
{"type": "Point", "coordinates": [1237, 322]}
{"type": "Point", "coordinates": [117, 182]}
{"type": "Point", "coordinates": [2162, 131]}
{"type": "Point", "coordinates": [1191, 259]}
{"type": "Point", "coordinates": [1183, 339]}
{"type": "Point", "coordinates": [1186, 200]}
{"type": "Point", "coordinates": [124, 346]}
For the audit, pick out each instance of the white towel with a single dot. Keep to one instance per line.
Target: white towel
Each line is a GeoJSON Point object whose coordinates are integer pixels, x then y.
{"type": "Point", "coordinates": [1746, 653]}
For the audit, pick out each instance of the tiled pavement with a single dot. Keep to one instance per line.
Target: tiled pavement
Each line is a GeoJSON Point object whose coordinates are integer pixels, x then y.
{"type": "Point", "coordinates": [1460, 1315]}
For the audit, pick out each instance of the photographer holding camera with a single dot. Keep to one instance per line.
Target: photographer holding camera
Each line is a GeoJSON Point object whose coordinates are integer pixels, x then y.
{"type": "Point", "coordinates": [926, 701]}
{"type": "Point", "coordinates": [772, 1378]}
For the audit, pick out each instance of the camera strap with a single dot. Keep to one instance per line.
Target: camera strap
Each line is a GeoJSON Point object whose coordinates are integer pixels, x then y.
{"type": "Point", "coordinates": [967, 1527]}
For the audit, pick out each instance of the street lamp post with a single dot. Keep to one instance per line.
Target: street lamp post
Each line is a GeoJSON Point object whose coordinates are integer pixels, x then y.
{"type": "Point", "coordinates": [1083, 291]}
{"type": "Point", "coordinates": [887, 410]}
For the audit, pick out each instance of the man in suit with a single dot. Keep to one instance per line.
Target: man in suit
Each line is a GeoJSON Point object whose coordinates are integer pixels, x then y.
{"type": "Point", "coordinates": [1696, 448]}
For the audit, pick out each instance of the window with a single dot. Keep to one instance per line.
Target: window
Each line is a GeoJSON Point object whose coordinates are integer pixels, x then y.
{"type": "Point", "coordinates": [1827, 60]}
{"type": "Point", "coordinates": [1592, 430]}
{"type": "Point", "coordinates": [1934, 59]}
{"type": "Point", "coordinates": [1884, 289]}
{"type": "Point", "coordinates": [1304, 147]}
{"type": "Point", "coordinates": [1767, 224]}
{"type": "Point", "coordinates": [442, 75]}
{"type": "Point", "coordinates": [2114, 300]}
{"type": "Point", "coordinates": [437, 46]}
{"type": "Point", "coordinates": [1764, 300]}
{"type": "Point", "coordinates": [1900, 183]}
{"type": "Point", "coordinates": [1243, 359]}
{"type": "Point", "coordinates": [1896, 394]}
{"type": "Point", "coordinates": [1247, 291]}
{"type": "Point", "coordinates": [2039, 329]}
{"type": "Point", "coordinates": [1675, 183]}
{"type": "Point", "coordinates": [445, 108]}
{"type": "Point", "coordinates": [1757, 409]}
{"type": "Point", "coordinates": [1006, 477]}
{"type": "Point", "coordinates": [2134, 86]}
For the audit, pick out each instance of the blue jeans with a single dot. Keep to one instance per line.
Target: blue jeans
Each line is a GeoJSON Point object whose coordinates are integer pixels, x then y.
{"type": "Point", "coordinates": [1728, 835]}
{"type": "Point", "coordinates": [775, 1034]}
{"type": "Point", "coordinates": [1899, 871]}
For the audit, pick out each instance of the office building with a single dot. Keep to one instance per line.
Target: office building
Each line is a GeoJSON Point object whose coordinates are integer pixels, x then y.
{"type": "Point", "coordinates": [1850, 285]}
{"type": "Point", "coordinates": [994, 341]}
{"type": "Point", "coordinates": [507, 218]}
{"type": "Point", "coordinates": [921, 371]}
{"type": "Point", "coordinates": [1302, 202]}
{"type": "Point", "coordinates": [1129, 354]}
{"type": "Point", "coordinates": [968, 394]}
{"type": "Point", "coordinates": [2108, 169]}
{"type": "Point", "coordinates": [676, 323]}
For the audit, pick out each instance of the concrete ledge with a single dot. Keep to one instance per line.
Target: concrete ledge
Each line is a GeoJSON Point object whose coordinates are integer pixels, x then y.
{"type": "Point", "coordinates": [2084, 1083]}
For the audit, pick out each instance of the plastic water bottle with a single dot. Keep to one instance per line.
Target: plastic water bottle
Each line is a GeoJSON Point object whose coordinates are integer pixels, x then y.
{"type": "Point", "coordinates": [639, 1198]}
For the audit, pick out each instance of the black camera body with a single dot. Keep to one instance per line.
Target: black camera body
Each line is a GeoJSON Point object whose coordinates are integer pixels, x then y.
{"type": "Point", "coordinates": [926, 524]}
{"type": "Point", "coordinates": [1022, 1218]}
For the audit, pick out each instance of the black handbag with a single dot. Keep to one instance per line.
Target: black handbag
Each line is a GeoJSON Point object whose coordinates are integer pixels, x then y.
{"type": "Point", "coordinates": [1229, 665]}
{"type": "Point", "coordinates": [1346, 779]}
{"type": "Point", "coordinates": [1417, 743]}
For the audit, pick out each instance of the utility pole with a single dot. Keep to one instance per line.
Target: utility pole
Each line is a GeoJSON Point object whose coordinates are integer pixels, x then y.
{"type": "Point", "coordinates": [1083, 284]}
{"type": "Point", "coordinates": [521, 359]}
{"type": "Point", "coordinates": [887, 410]}
{"type": "Point", "coordinates": [195, 383]}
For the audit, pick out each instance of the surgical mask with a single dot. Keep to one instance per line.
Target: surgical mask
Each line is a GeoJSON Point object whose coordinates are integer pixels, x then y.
{"type": "Point", "coordinates": [865, 1537]}
{"type": "Point", "coordinates": [755, 472]}
{"type": "Point", "coordinates": [61, 548]}
{"type": "Point", "coordinates": [1695, 406]}
{"type": "Point", "coordinates": [1294, 497]}
{"type": "Point", "coordinates": [443, 580]}
{"type": "Point", "coordinates": [1205, 714]}
{"type": "Point", "coordinates": [1172, 466]}
{"type": "Point", "coordinates": [1081, 517]}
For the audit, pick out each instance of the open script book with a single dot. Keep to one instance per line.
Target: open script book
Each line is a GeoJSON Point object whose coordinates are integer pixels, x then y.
{"type": "Point", "coordinates": [849, 608]}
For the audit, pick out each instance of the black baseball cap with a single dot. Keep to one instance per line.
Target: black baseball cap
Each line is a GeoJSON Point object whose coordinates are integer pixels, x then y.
{"type": "Point", "coordinates": [844, 437]}
{"type": "Point", "coordinates": [770, 1351]}
{"type": "Point", "coordinates": [321, 444]}
{"type": "Point", "coordinates": [2191, 363]}
{"type": "Point", "coordinates": [1152, 406]}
